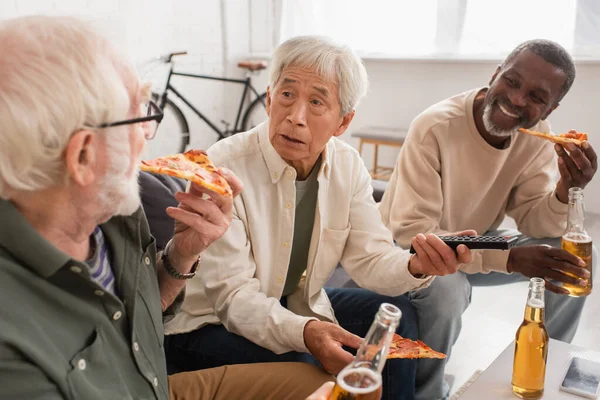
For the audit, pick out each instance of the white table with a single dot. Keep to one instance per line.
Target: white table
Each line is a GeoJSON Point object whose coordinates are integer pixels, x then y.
{"type": "Point", "coordinates": [494, 382]}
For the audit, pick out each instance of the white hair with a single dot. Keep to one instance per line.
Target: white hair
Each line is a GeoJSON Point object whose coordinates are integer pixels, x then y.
{"type": "Point", "coordinates": [330, 60]}
{"type": "Point", "coordinates": [56, 76]}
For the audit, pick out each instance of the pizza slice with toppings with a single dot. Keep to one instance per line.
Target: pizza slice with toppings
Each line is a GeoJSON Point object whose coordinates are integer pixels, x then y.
{"type": "Point", "coordinates": [194, 166]}
{"type": "Point", "coordinates": [571, 137]}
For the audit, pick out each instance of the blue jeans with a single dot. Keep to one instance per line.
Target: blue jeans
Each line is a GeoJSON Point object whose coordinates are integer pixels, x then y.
{"type": "Point", "coordinates": [354, 308]}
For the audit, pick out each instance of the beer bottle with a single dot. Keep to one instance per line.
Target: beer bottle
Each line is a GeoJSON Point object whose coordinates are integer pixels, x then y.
{"type": "Point", "coordinates": [361, 380]}
{"type": "Point", "coordinates": [531, 346]}
{"type": "Point", "coordinates": [577, 241]}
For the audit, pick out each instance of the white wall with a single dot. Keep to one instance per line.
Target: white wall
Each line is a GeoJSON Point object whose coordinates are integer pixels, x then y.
{"type": "Point", "coordinates": [217, 33]}
{"type": "Point", "coordinates": [399, 90]}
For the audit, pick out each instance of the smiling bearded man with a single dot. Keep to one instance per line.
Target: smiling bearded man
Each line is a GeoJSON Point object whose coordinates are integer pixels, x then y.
{"type": "Point", "coordinates": [464, 164]}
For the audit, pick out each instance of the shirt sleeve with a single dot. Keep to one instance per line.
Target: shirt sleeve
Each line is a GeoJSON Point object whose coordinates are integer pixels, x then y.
{"type": "Point", "coordinates": [369, 256]}
{"type": "Point", "coordinates": [20, 379]}
{"type": "Point", "coordinates": [533, 203]}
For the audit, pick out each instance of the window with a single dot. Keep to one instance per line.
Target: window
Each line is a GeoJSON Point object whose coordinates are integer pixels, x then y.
{"type": "Point", "coordinates": [466, 29]}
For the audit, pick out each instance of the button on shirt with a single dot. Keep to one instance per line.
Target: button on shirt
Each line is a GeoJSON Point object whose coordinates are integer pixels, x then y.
{"type": "Point", "coordinates": [64, 337]}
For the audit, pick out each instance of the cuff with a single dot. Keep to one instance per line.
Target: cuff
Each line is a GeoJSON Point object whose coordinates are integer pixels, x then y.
{"type": "Point", "coordinates": [411, 280]}
{"type": "Point", "coordinates": [557, 206]}
{"type": "Point", "coordinates": [296, 330]}
{"type": "Point", "coordinates": [495, 260]}
{"type": "Point", "coordinates": [174, 308]}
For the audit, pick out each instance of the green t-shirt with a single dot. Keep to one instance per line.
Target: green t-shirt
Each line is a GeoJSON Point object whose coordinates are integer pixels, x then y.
{"type": "Point", "coordinates": [304, 219]}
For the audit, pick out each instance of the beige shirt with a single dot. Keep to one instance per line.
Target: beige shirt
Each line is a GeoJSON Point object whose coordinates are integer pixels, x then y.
{"type": "Point", "coordinates": [448, 178]}
{"type": "Point", "coordinates": [242, 275]}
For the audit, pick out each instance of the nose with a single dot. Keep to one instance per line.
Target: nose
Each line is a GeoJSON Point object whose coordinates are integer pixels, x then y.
{"type": "Point", "coordinates": [297, 114]}
{"type": "Point", "coordinates": [517, 98]}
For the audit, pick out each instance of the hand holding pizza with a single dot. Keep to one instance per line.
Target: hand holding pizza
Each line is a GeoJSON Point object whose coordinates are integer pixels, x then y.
{"type": "Point", "coordinates": [201, 221]}
{"type": "Point", "coordinates": [434, 257]}
{"type": "Point", "coordinates": [577, 166]}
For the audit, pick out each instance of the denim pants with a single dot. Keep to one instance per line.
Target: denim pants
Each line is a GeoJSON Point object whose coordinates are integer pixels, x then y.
{"type": "Point", "coordinates": [355, 309]}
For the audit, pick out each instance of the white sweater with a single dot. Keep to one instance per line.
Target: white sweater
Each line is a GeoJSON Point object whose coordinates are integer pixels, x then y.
{"type": "Point", "coordinates": [448, 178]}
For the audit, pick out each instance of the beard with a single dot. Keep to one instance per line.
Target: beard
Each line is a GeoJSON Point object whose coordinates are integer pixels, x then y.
{"type": "Point", "coordinates": [494, 129]}
{"type": "Point", "coordinates": [119, 194]}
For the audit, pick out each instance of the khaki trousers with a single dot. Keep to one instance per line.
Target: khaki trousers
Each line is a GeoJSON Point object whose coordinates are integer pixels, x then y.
{"type": "Point", "coordinates": [263, 381]}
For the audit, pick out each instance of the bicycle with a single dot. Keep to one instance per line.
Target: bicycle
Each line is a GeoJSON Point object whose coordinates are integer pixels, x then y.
{"type": "Point", "coordinates": [251, 116]}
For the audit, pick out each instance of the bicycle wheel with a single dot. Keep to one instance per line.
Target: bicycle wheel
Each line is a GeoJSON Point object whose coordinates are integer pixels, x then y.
{"type": "Point", "coordinates": [173, 135]}
{"type": "Point", "coordinates": [255, 113]}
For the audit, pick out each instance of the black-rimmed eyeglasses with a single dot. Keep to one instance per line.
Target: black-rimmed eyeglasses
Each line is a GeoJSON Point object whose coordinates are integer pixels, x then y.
{"type": "Point", "coordinates": [154, 116]}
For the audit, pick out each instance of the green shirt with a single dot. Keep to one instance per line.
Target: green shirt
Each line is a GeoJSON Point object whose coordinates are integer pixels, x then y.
{"type": "Point", "coordinates": [304, 219]}
{"type": "Point", "coordinates": [61, 334]}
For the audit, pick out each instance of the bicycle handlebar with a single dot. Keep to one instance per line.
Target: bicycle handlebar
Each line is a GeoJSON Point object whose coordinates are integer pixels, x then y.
{"type": "Point", "coordinates": [167, 58]}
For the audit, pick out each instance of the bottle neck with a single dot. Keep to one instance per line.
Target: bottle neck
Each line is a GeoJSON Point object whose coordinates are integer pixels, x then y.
{"type": "Point", "coordinates": [373, 351]}
{"type": "Point", "coordinates": [576, 215]}
{"type": "Point", "coordinates": [534, 310]}
{"type": "Point", "coordinates": [534, 314]}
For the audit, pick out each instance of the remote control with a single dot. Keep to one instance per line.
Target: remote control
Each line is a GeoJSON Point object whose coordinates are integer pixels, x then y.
{"type": "Point", "coordinates": [479, 242]}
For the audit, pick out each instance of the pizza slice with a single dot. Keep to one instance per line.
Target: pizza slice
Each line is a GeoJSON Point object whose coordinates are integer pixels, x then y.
{"type": "Point", "coordinates": [193, 165]}
{"type": "Point", "coordinates": [571, 137]}
{"type": "Point", "coordinates": [406, 348]}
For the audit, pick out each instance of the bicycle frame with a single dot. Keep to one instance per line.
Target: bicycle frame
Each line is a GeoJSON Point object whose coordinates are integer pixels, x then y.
{"type": "Point", "coordinates": [247, 82]}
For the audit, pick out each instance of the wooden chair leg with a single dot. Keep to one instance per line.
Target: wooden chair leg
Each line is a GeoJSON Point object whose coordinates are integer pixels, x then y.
{"type": "Point", "coordinates": [360, 147]}
{"type": "Point", "coordinates": [375, 155]}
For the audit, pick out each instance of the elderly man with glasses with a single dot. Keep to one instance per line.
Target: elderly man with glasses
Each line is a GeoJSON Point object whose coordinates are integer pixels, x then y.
{"type": "Point", "coordinates": [83, 292]}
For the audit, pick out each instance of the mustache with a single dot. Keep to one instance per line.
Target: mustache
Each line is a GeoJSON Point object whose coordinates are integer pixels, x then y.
{"type": "Point", "coordinates": [522, 118]}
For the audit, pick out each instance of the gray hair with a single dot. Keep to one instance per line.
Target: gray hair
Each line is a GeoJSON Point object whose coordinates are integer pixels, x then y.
{"type": "Point", "coordinates": [330, 60]}
{"type": "Point", "coordinates": [56, 76]}
{"type": "Point", "coordinates": [552, 53]}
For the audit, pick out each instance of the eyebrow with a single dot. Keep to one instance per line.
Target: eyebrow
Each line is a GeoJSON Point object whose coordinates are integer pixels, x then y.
{"type": "Point", "coordinates": [321, 89]}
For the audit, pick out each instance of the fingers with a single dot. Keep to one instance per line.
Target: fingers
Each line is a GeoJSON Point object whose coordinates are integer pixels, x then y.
{"type": "Point", "coordinates": [590, 154]}
{"type": "Point", "coordinates": [573, 173]}
{"type": "Point", "coordinates": [555, 289]}
{"type": "Point", "coordinates": [224, 202]}
{"type": "Point", "coordinates": [323, 392]}
{"type": "Point", "coordinates": [577, 167]}
{"type": "Point", "coordinates": [468, 232]}
{"type": "Point", "coordinates": [442, 257]}
{"type": "Point", "coordinates": [338, 358]}
{"type": "Point", "coordinates": [191, 219]}
{"type": "Point", "coordinates": [234, 182]}
{"type": "Point", "coordinates": [346, 338]}
{"type": "Point", "coordinates": [464, 254]}
{"type": "Point", "coordinates": [205, 208]}
{"type": "Point", "coordinates": [575, 263]}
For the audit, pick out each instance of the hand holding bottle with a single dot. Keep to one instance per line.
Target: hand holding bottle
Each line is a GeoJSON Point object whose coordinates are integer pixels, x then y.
{"type": "Point", "coordinates": [547, 262]}
{"type": "Point", "coordinates": [324, 340]}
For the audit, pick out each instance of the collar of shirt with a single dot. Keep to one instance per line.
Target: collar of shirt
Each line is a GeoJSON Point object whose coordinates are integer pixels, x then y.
{"type": "Point", "coordinates": [24, 243]}
{"type": "Point", "coordinates": [277, 165]}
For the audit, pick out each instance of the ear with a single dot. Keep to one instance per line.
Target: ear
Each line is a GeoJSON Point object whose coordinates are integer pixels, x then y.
{"type": "Point", "coordinates": [346, 119]}
{"type": "Point", "coordinates": [498, 68]}
{"type": "Point", "coordinates": [269, 101]}
{"type": "Point", "coordinates": [80, 157]}
{"type": "Point", "coordinates": [547, 114]}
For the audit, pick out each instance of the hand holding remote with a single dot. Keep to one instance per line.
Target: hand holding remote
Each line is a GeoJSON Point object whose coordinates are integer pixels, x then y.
{"type": "Point", "coordinates": [434, 257]}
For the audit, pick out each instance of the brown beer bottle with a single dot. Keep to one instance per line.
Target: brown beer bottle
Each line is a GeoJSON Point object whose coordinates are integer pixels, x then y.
{"type": "Point", "coordinates": [577, 241]}
{"type": "Point", "coordinates": [531, 346]}
{"type": "Point", "coordinates": [361, 380]}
